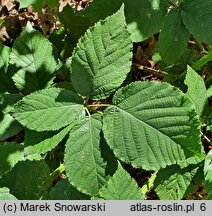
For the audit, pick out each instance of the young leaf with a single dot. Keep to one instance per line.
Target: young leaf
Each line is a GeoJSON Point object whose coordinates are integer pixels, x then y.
{"type": "Point", "coordinates": [8, 126]}
{"type": "Point", "coordinates": [196, 91]}
{"type": "Point", "coordinates": [102, 58]}
{"type": "Point", "coordinates": [196, 15]}
{"type": "Point", "coordinates": [63, 190]}
{"type": "Point", "coordinates": [28, 179]}
{"type": "Point", "coordinates": [42, 142]}
{"type": "Point", "coordinates": [173, 38]}
{"type": "Point", "coordinates": [208, 174]}
{"type": "Point", "coordinates": [152, 125]}
{"type": "Point", "coordinates": [11, 153]}
{"type": "Point", "coordinates": [5, 194]}
{"type": "Point", "coordinates": [121, 187]}
{"type": "Point", "coordinates": [33, 61]}
{"type": "Point", "coordinates": [172, 183]}
{"type": "Point", "coordinates": [49, 109]}
{"type": "Point", "coordinates": [83, 162]}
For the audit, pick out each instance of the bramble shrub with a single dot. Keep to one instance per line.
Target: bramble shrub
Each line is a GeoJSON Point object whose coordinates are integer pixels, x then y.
{"type": "Point", "coordinates": [98, 125]}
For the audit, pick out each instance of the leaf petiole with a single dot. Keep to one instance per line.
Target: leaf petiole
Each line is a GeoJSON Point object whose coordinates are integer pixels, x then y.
{"type": "Point", "coordinates": [58, 171]}
{"type": "Point", "coordinates": [99, 105]}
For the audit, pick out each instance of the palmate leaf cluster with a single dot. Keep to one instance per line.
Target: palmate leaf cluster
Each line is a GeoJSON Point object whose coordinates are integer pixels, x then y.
{"type": "Point", "coordinates": [152, 126]}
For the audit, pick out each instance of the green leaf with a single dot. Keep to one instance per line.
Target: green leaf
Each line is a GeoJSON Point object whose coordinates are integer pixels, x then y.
{"type": "Point", "coordinates": [84, 165]}
{"type": "Point", "coordinates": [5, 83]}
{"type": "Point", "coordinates": [102, 58]}
{"type": "Point", "coordinates": [196, 15]}
{"type": "Point", "coordinates": [33, 60]}
{"type": "Point", "coordinates": [63, 190]}
{"type": "Point", "coordinates": [121, 187]}
{"type": "Point", "coordinates": [209, 123]}
{"type": "Point", "coordinates": [147, 187]}
{"type": "Point", "coordinates": [28, 180]}
{"type": "Point", "coordinates": [11, 153]}
{"type": "Point", "coordinates": [49, 109]}
{"type": "Point", "coordinates": [145, 18]}
{"type": "Point", "coordinates": [37, 4]}
{"type": "Point", "coordinates": [75, 23]}
{"type": "Point", "coordinates": [52, 3]}
{"type": "Point", "coordinates": [5, 194]}
{"type": "Point", "coordinates": [100, 9]}
{"type": "Point", "coordinates": [173, 37]}
{"type": "Point", "coordinates": [148, 20]}
{"type": "Point", "coordinates": [203, 61]}
{"type": "Point", "coordinates": [8, 125]}
{"type": "Point", "coordinates": [108, 156]}
{"type": "Point", "coordinates": [152, 125]}
{"type": "Point", "coordinates": [196, 91]}
{"type": "Point", "coordinates": [42, 142]}
{"type": "Point", "coordinates": [208, 174]}
{"type": "Point", "coordinates": [172, 183]}
{"type": "Point", "coordinates": [209, 91]}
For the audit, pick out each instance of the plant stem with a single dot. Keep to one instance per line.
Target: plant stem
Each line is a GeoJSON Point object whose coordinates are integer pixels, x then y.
{"type": "Point", "coordinates": [152, 71]}
{"type": "Point", "coordinates": [58, 171]}
{"type": "Point", "coordinates": [87, 111]}
{"type": "Point", "coordinates": [206, 138]}
{"type": "Point", "coordinates": [203, 125]}
{"type": "Point", "coordinates": [173, 3]}
{"type": "Point", "coordinates": [86, 101]}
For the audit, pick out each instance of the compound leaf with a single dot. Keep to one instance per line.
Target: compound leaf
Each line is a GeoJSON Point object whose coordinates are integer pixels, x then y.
{"type": "Point", "coordinates": [33, 61]}
{"type": "Point", "coordinates": [83, 162]}
{"type": "Point", "coordinates": [121, 187]}
{"type": "Point", "coordinates": [152, 125]}
{"type": "Point", "coordinates": [102, 59]}
{"type": "Point", "coordinates": [196, 90]}
{"type": "Point", "coordinates": [49, 109]}
{"type": "Point", "coordinates": [5, 194]}
{"type": "Point", "coordinates": [196, 15]}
